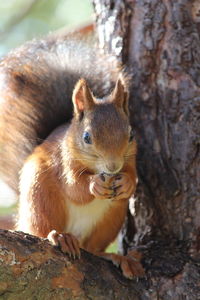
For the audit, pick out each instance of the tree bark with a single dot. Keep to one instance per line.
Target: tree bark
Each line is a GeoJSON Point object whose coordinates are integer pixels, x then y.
{"type": "Point", "coordinates": [33, 269]}
{"type": "Point", "coordinates": [160, 46]}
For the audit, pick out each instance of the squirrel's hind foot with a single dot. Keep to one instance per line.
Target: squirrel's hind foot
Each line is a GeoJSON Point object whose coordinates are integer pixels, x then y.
{"type": "Point", "coordinates": [67, 243]}
{"type": "Point", "coordinates": [129, 264]}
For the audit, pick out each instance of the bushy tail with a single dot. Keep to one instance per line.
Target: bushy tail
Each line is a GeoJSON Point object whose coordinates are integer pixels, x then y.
{"type": "Point", "coordinates": [36, 84]}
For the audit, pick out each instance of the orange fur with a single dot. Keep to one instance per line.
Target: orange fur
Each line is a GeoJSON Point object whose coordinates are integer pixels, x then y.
{"type": "Point", "coordinates": [42, 202]}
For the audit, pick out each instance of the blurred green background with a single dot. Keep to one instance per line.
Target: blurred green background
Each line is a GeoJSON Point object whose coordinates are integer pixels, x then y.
{"type": "Point", "coordinates": [23, 20]}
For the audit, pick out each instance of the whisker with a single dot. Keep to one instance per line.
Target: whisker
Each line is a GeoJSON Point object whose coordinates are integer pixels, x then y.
{"type": "Point", "coordinates": [45, 170]}
{"type": "Point", "coordinates": [130, 155]}
{"type": "Point", "coordinates": [80, 150]}
{"type": "Point", "coordinates": [82, 172]}
{"type": "Point", "coordinates": [81, 159]}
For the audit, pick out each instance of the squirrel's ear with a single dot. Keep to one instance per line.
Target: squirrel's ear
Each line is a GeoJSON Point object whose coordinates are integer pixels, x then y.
{"type": "Point", "coordinates": [120, 95]}
{"type": "Point", "coordinates": [82, 97]}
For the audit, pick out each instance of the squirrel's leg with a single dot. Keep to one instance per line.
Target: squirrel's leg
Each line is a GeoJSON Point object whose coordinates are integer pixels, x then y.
{"type": "Point", "coordinates": [66, 241]}
{"type": "Point", "coordinates": [42, 206]}
{"type": "Point", "coordinates": [105, 232]}
{"type": "Point", "coordinates": [129, 264]}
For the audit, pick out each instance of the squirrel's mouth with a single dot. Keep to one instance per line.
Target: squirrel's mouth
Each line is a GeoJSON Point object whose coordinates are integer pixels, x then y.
{"type": "Point", "coordinates": [107, 169]}
{"type": "Point", "coordinates": [104, 175]}
{"type": "Point", "coordinates": [108, 174]}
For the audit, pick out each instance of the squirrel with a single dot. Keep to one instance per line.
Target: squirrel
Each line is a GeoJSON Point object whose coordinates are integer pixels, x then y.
{"type": "Point", "coordinates": [64, 127]}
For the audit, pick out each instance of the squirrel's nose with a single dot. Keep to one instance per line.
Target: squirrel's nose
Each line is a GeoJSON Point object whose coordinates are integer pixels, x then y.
{"type": "Point", "coordinates": [113, 167]}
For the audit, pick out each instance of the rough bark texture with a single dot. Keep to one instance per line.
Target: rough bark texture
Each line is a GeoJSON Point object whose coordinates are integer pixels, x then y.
{"type": "Point", "coordinates": [30, 268]}
{"type": "Point", "coordinates": [113, 20]}
{"type": "Point", "coordinates": [166, 103]}
{"type": "Point", "coordinates": [162, 54]}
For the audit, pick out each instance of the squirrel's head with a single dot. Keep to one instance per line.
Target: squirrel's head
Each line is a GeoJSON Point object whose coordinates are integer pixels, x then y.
{"type": "Point", "coordinates": [103, 140]}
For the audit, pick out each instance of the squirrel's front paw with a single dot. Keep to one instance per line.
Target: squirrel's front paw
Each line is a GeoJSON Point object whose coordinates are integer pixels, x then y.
{"type": "Point", "coordinates": [123, 186]}
{"type": "Point", "coordinates": [66, 241]}
{"type": "Point", "coordinates": [100, 187]}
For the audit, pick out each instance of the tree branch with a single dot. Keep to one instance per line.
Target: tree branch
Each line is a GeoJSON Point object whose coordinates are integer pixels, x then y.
{"type": "Point", "coordinates": [31, 267]}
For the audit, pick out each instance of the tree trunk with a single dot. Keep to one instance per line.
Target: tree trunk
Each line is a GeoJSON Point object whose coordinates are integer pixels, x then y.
{"type": "Point", "coordinates": [160, 46]}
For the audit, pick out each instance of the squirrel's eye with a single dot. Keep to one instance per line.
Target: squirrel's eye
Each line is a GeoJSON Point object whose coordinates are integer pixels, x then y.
{"type": "Point", "coordinates": [131, 136]}
{"type": "Point", "coordinates": [87, 138]}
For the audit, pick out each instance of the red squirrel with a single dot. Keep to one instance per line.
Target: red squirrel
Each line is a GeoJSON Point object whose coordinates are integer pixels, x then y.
{"type": "Point", "coordinates": [75, 185]}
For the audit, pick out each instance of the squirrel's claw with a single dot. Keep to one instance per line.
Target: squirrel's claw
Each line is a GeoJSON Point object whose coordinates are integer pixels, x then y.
{"type": "Point", "coordinates": [66, 241]}
{"type": "Point", "coordinates": [124, 187]}
{"type": "Point", "coordinates": [99, 187]}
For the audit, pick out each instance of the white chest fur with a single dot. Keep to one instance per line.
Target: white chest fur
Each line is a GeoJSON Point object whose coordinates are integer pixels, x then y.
{"type": "Point", "coordinates": [83, 218]}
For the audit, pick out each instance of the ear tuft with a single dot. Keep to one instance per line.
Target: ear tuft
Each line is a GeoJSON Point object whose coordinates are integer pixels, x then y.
{"type": "Point", "coordinates": [120, 94]}
{"type": "Point", "coordinates": [82, 97]}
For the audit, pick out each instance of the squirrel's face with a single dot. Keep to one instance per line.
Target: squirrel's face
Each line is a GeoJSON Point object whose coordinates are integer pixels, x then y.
{"type": "Point", "coordinates": [104, 137]}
